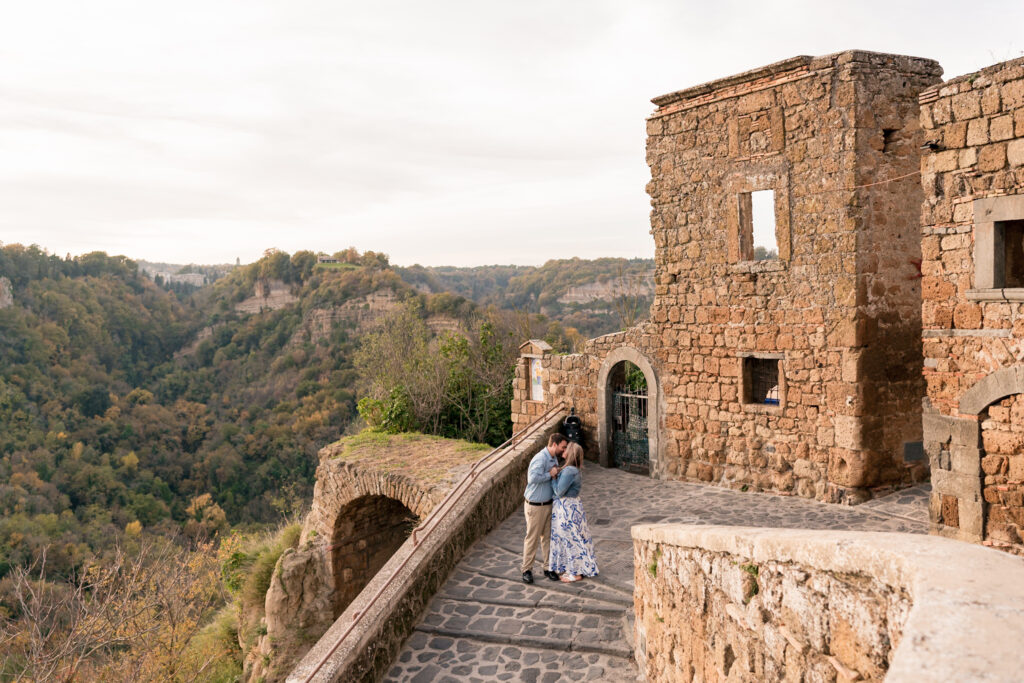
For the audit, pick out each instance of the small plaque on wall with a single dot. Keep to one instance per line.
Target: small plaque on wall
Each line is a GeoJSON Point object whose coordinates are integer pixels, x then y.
{"type": "Point", "coordinates": [536, 382]}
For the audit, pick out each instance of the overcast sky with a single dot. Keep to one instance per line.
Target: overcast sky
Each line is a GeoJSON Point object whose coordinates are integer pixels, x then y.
{"type": "Point", "coordinates": [439, 132]}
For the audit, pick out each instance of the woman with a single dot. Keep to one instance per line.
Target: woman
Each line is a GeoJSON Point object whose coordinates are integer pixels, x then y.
{"type": "Point", "coordinates": [572, 546]}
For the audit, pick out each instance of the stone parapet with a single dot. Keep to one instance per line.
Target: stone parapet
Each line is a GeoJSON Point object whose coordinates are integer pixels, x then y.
{"type": "Point", "coordinates": [418, 568]}
{"type": "Point", "coordinates": [737, 604]}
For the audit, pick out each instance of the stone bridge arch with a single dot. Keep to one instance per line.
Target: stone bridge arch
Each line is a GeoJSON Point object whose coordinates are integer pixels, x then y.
{"type": "Point", "coordinates": [363, 515]}
{"type": "Point", "coordinates": [605, 404]}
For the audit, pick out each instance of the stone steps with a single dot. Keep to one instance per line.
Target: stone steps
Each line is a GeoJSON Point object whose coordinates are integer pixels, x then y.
{"type": "Point", "coordinates": [624, 589]}
{"type": "Point", "coordinates": [535, 642]}
{"type": "Point", "coordinates": [442, 659]}
{"type": "Point", "coordinates": [549, 627]}
{"type": "Point", "coordinates": [591, 607]}
{"type": "Point", "coordinates": [580, 589]}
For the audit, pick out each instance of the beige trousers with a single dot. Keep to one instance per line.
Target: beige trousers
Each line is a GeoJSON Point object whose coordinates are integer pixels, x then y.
{"type": "Point", "coordinates": [538, 529]}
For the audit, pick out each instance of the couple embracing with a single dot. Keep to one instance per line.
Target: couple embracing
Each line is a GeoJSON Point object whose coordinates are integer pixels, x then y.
{"type": "Point", "coordinates": [554, 515]}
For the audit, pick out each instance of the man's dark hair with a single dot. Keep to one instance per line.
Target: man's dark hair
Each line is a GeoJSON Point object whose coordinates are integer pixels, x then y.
{"type": "Point", "coordinates": [556, 439]}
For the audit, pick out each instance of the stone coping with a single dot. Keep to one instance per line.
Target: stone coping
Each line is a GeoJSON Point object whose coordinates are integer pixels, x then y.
{"type": "Point", "coordinates": [793, 64]}
{"type": "Point", "coordinates": [944, 89]}
{"type": "Point", "coordinates": [368, 650]}
{"type": "Point", "coordinates": [967, 618]}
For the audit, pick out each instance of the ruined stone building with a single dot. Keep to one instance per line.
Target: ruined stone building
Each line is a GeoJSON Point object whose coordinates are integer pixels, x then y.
{"type": "Point", "coordinates": [973, 310]}
{"type": "Point", "coordinates": [783, 348]}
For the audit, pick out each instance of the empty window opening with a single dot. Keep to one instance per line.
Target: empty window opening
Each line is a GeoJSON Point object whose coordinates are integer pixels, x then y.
{"type": "Point", "coordinates": [757, 226]}
{"type": "Point", "coordinates": [1013, 253]}
{"type": "Point", "coordinates": [889, 139]}
{"type": "Point", "coordinates": [761, 381]}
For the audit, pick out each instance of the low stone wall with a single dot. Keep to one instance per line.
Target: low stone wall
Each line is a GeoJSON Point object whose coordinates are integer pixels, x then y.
{"type": "Point", "coordinates": [367, 652]}
{"type": "Point", "coordinates": [745, 604]}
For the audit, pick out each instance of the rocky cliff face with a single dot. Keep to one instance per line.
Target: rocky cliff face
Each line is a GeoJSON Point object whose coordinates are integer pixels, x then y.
{"type": "Point", "coordinates": [361, 312]}
{"type": "Point", "coordinates": [6, 293]}
{"type": "Point", "coordinates": [268, 295]}
{"type": "Point", "coordinates": [638, 285]}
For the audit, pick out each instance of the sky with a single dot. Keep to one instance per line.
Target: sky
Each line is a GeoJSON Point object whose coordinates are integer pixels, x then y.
{"type": "Point", "coordinates": [440, 133]}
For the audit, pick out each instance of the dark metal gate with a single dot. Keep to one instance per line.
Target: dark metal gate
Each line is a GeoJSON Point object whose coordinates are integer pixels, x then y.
{"type": "Point", "coordinates": [629, 432]}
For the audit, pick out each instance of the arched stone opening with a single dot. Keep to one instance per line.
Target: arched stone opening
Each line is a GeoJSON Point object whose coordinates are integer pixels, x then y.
{"type": "Point", "coordinates": [1002, 472]}
{"type": "Point", "coordinates": [978, 486]}
{"type": "Point", "coordinates": [367, 532]}
{"type": "Point", "coordinates": [629, 407]}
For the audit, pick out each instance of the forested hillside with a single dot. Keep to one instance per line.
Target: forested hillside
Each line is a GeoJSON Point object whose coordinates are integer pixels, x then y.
{"type": "Point", "coordinates": [595, 296]}
{"type": "Point", "coordinates": [140, 420]}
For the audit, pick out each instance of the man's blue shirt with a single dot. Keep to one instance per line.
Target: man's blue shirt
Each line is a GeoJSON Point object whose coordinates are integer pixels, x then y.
{"type": "Point", "coordinates": [538, 477]}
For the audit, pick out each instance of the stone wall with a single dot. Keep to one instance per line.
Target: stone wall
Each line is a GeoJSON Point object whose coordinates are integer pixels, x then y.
{"type": "Point", "coordinates": [837, 139]}
{"type": "Point", "coordinates": [1002, 440]}
{"type": "Point", "coordinates": [742, 604]}
{"type": "Point", "coordinates": [973, 317]}
{"type": "Point", "coordinates": [419, 567]}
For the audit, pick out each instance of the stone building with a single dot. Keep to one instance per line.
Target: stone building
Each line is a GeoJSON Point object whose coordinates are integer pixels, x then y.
{"type": "Point", "coordinates": [783, 347]}
{"type": "Point", "coordinates": [973, 309]}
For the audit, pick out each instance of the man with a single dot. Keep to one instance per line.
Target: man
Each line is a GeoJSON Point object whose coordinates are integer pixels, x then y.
{"type": "Point", "coordinates": [543, 468]}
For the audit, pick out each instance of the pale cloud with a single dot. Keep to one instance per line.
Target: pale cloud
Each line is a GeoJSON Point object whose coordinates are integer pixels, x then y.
{"type": "Point", "coordinates": [441, 133]}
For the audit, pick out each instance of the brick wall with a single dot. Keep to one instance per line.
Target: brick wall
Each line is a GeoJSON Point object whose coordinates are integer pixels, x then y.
{"type": "Point", "coordinates": [973, 323]}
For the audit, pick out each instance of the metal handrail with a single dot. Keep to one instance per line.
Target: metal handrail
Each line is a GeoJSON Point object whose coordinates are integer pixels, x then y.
{"type": "Point", "coordinates": [422, 532]}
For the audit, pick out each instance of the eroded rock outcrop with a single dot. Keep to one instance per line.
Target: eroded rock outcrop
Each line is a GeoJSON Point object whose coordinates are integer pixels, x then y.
{"type": "Point", "coordinates": [268, 295]}
{"type": "Point", "coordinates": [6, 293]}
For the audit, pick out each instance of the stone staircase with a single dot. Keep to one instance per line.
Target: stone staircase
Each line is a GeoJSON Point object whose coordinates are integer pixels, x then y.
{"type": "Point", "coordinates": [486, 624]}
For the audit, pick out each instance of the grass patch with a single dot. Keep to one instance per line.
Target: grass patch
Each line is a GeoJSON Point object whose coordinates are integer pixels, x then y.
{"type": "Point", "coordinates": [217, 643]}
{"type": "Point", "coordinates": [750, 587]}
{"type": "Point", "coordinates": [652, 568]}
{"type": "Point", "coordinates": [423, 457]}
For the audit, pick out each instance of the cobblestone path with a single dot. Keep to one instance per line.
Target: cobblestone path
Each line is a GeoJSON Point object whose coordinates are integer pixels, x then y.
{"type": "Point", "coordinates": [485, 624]}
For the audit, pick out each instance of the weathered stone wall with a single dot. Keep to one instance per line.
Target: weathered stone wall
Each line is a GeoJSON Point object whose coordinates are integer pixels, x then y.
{"type": "Point", "coordinates": [1002, 439]}
{"type": "Point", "coordinates": [369, 490]}
{"type": "Point", "coordinates": [973, 323]}
{"type": "Point", "coordinates": [837, 139]}
{"type": "Point", "coordinates": [577, 380]}
{"type": "Point", "coordinates": [742, 604]}
{"type": "Point", "coordinates": [368, 532]}
{"type": "Point", "coordinates": [368, 650]}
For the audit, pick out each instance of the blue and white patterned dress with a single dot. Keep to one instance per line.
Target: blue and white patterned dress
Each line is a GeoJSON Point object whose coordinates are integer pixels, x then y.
{"type": "Point", "coordinates": [572, 546]}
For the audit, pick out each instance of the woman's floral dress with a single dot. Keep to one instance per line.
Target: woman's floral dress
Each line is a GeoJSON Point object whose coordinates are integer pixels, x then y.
{"type": "Point", "coordinates": [572, 546]}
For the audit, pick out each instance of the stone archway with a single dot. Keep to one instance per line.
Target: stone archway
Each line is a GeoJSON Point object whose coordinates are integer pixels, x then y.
{"type": "Point", "coordinates": [991, 453]}
{"type": "Point", "coordinates": [605, 405]}
{"type": "Point", "coordinates": [367, 532]}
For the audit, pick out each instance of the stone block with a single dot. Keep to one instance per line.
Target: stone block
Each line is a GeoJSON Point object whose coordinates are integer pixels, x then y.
{"type": "Point", "coordinates": [992, 158]}
{"type": "Point", "coordinates": [965, 460]}
{"type": "Point", "coordinates": [963, 486]}
{"type": "Point", "coordinates": [848, 432]}
{"type": "Point", "coordinates": [965, 432]}
{"type": "Point", "coordinates": [1015, 153]}
{"type": "Point", "coordinates": [936, 427]}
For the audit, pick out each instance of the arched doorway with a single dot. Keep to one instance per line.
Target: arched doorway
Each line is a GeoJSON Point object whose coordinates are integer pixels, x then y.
{"type": "Point", "coordinates": [367, 532]}
{"type": "Point", "coordinates": [628, 408]}
{"type": "Point", "coordinates": [1002, 462]}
